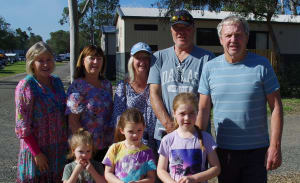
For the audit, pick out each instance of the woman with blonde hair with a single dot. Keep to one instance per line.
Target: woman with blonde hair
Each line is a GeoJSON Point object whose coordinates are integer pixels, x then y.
{"type": "Point", "coordinates": [89, 101]}
{"type": "Point", "coordinates": [40, 121]}
{"type": "Point", "coordinates": [133, 92]}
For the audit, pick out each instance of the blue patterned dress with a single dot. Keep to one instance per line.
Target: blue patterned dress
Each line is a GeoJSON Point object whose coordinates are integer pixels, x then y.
{"type": "Point", "coordinates": [140, 101]}
{"type": "Point", "coordinates": [40, 112]}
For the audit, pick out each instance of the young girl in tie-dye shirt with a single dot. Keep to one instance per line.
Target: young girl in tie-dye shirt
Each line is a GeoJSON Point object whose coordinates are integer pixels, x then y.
{"type": "Point", "coordinates": [129, 160]}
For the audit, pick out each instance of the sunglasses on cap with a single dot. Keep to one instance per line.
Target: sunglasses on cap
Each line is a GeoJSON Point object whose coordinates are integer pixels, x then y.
{"type": "Point", "coordinates": [180, 18]}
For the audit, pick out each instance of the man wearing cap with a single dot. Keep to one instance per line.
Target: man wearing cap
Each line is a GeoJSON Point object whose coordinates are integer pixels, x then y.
{"type": "Point", "coordinates": [239, 84]}
{"type": "Point", "coordinates": [174, 70]}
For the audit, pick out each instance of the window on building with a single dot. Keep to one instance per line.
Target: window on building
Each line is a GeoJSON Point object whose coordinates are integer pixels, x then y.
{"type": "Point", "coordinates": [145, 27]}
{"type": "Point", "coordinates": [258, 40]}
{"type": "Point", "coordinates": [153, 48]}
{"type": "Point", "coordinates": [207, 37]}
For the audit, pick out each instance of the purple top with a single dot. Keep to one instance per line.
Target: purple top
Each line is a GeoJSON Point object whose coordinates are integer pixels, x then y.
{"type": "Point", "coordinates": [95, 108]}
{"type": "Point", "coordinates": [185, 155]}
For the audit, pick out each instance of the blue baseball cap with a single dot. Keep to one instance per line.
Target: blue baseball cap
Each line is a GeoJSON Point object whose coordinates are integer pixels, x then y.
{"type": "Point", "coordinates": [140, 46]}
{"type": "Point", "coordinates": [182, 17]}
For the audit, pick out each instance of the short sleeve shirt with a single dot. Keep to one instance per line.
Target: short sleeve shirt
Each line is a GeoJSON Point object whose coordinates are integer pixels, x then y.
{"type": "Point", "coordinates": [175, 76]}
{"type": "Point", "coordinates": [184, 154]}
{"type": "Point", "coordinates": [84, 176]}
{"type": "Point", "coordinates": [95, 108]}
{"type": "Point", "coordinates": [239, 94]}
{"type": "Point", "coordinates": [130, 165]}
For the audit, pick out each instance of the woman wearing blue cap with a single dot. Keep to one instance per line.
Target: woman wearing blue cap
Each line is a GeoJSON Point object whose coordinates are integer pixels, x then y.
{"type": "Point", "coordinates": [134, 91]}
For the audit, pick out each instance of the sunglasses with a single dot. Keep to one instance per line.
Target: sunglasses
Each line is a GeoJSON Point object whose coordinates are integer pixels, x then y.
{"type": "Point", "coordinates": [180, 18]}
{"type": "Point", "coordinates": [179, 73]}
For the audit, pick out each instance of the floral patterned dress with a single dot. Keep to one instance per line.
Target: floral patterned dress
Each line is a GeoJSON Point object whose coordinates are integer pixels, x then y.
{"type": "Point", "coordinates": [95, 108]}
{"type": "Point", "coordinates": [140, 101]}
{"type": "Point", "coordinates": [40, 112]}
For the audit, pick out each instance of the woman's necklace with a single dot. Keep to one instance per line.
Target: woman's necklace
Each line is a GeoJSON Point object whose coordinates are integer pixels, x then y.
{"type": "Point", "coordinates": [138, 88]}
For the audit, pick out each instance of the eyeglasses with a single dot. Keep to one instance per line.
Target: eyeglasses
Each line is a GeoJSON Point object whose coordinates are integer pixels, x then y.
{"type": "Point", "coordinates": [180, 18]}
{"type": "Point", "coordinates": [179, 71]}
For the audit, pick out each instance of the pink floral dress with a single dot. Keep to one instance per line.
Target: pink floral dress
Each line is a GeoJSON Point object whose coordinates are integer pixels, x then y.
{"type": "Point", "coordinates": [95, 108]}
{"type": "Point", "coordinates": [40, 112]}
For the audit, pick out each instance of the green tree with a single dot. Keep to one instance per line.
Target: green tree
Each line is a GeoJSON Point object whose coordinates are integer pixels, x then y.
{"type": "Point", "coordinates": [33, 39]}
{"type": "Point", "coordinates": [22, 39]}
{"type": "Point", "coordinates": [294, 6]}
{"type": "Point", "coordinates": [76, 12]}
{"type": "Point", "coordinates": [172, 5]}
{"type": "Point", "coordinates": [100, 12]}
{"type": "Point", "coordinates": [59, 41]}
{"type": "Point", "coordinates": [5, 34]}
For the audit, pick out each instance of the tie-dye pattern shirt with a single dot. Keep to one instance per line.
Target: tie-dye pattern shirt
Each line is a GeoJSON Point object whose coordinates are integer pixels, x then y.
{"type": "Point", "coordinates": [130, 165]}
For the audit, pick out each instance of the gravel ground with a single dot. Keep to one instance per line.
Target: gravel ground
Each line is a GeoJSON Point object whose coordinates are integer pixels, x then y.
{"type": "Point", "coordinates": [289, 172]}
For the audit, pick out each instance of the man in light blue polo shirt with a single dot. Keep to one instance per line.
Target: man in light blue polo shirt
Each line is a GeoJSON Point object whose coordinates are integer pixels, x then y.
{"type": "Point", "coordinates": [239, 84]}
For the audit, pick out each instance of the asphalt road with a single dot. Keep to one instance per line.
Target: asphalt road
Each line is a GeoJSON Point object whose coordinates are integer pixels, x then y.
{"type": "Point", "coordinates": [288, 172]}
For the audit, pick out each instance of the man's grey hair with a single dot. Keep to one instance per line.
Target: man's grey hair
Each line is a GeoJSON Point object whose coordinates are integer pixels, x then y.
{"type": "Point", "coordinates": [233, 19]}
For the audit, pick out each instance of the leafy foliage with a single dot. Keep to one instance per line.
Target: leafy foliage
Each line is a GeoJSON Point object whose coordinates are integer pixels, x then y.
{"type": "Point", "coordinates": [59, 41]}
{"type": "Point", "coordinates": [16, 40]}
{"type": "Point", "coordinates": [100, 12]}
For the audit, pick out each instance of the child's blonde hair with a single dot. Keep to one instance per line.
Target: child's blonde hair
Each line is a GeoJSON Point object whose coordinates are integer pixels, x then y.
{"type": "Point", "coordinates": [131, 115]}
{"type": "Point", "coordinates": [188, 98]}
{"type": "Point", "coordinates": [79, 138]}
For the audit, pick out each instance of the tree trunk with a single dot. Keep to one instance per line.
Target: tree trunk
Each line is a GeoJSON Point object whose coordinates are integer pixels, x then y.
{"type": "Point", "coordinates": [74, 45]}
{"type": "Point", "coordinates": [275, 46]}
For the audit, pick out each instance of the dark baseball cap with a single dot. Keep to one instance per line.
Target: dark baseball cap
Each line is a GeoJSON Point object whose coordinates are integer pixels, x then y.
{"type": "Point", "coordinates": [182, 17]}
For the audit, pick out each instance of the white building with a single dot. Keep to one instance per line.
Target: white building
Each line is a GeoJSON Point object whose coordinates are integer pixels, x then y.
{"type": "Point", "coordinates": [149, 25]}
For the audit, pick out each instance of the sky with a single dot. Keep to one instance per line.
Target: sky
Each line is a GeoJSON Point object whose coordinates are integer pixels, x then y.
{"type": "Point", "coordinates": [43, 15]}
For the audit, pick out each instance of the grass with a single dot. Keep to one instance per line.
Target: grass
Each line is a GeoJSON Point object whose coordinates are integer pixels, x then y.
{"type": "Point", "coordinates": [17, 68]}
{"type": "Point", "coordinates": [13, 69]}
{"type": "Point", "coordinates": [291, 105]}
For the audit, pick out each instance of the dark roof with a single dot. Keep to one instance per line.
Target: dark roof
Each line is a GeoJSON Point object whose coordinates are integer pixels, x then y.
{"type": "Point", "coordinates": [108, 29]}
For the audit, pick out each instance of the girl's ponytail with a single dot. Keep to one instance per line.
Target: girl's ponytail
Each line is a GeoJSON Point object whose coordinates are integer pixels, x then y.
{"type": "Point", "coordinates": [118, 136]}
{"type": "Point", "coordinates": [200, 137]}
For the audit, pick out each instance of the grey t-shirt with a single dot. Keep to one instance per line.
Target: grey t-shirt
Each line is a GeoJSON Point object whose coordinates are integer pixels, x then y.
{"type": "Point", "coordinates": [84, 176]}
{"type": "Point", "coordinates": [175, 76]}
